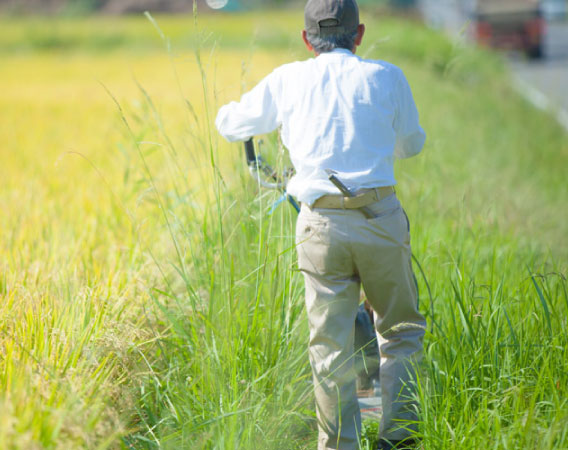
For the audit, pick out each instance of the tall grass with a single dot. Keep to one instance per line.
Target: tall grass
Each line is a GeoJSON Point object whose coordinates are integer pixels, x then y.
{"type": "Point", "coordinates": [486, 382]}
{"type": "Point", "coordinates": [150, 300]}
{"type": "Point", "coordinates": [495, 368]}
{"type": "Point", "coordinates": [231, 371]}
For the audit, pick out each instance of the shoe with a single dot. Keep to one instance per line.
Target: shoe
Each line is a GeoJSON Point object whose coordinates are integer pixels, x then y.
{"type": "Point", "coordinates": [406, 444]}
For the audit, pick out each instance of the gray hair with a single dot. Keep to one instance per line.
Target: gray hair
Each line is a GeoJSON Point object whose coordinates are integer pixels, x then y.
{"type": "Point", "coordinates": [324, 44]}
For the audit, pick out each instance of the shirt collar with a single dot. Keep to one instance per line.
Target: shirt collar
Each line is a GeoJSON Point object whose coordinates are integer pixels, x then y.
{"type": "Point", "coordinates": [338, 51]}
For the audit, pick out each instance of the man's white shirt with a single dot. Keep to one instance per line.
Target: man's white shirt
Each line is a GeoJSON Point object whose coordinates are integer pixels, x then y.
{"type": "Point", "coordinates": [336, 111]}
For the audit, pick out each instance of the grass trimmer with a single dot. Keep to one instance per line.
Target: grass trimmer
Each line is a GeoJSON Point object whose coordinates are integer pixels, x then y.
{"type": "Point", "coordinates": [365, 335]}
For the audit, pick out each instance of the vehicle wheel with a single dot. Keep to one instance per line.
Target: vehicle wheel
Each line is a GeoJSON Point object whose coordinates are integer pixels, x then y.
{"type": "Point", "coordinates": [535, 52]}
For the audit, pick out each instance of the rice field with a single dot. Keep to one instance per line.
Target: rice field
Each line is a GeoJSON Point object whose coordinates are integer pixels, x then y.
{"type": "Point", "coordinates": [148, 299]}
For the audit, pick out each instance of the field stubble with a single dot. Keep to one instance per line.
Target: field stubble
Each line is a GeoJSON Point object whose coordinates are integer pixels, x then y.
{"type": "Point", "coordinates": [149, 300]}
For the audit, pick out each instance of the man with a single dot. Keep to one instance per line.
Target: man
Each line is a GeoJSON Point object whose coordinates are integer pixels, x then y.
{"type": "Point", "coordinates": [353, 116]}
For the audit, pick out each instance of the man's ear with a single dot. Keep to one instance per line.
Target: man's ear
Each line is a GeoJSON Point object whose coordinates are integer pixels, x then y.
{"type": "Point", "coordinates": [306, 42]}
{"type": "Point", "coordinates": [360, 34]}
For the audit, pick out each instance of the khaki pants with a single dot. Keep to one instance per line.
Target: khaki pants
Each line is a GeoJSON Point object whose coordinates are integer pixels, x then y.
{"type": "Point", "coordinates": [338, 251]}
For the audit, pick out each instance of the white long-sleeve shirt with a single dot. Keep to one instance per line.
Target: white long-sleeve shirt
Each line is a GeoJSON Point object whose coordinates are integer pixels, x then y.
{"type": "Point", "coordinates": [337, 111]}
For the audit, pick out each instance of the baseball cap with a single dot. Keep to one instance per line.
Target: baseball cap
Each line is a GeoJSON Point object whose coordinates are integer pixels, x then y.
{"type": "Point", "coordinates": [326, 17]}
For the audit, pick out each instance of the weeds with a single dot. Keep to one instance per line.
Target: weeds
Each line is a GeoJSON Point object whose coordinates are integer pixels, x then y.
{"type": "Point", "coordinates": [154, 302]}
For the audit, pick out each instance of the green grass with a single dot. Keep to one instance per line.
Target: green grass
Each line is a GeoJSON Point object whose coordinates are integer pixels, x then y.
{"type": "Point", "coordinates": [103, 34]}
{"type": "Point", "coordinates": [148, 299]}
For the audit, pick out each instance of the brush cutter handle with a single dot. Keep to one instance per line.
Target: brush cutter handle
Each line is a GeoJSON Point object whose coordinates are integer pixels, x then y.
{"type": "Point", "coordinates": [261, 171]}
{"type": "Point", "coordinates": [250, 153]}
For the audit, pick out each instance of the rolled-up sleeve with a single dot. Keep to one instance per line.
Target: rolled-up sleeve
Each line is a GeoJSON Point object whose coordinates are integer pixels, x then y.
{"type": "Point", "coordinates": [410, 136]}
{"type": "Point", "coordinates": [256, 113]}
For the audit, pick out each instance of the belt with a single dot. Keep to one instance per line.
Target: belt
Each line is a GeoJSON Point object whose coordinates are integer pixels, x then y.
{"type": "Point", "coordinates": [363, 198]}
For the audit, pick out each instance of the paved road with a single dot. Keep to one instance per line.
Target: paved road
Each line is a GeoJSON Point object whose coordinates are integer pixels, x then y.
{"type": "Point", "coordinates": [546, 81]}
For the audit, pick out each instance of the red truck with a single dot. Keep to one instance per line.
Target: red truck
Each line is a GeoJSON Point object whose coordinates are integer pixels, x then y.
{"type": "Point", "coordinates": [508, 24]}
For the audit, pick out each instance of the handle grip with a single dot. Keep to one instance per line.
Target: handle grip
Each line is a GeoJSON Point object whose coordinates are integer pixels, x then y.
{"type": "Point", "coordinates": [250, 153]}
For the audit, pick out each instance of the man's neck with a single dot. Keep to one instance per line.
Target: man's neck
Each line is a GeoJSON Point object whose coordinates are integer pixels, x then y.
{"type": "Point", "coordinates": [337, 48]}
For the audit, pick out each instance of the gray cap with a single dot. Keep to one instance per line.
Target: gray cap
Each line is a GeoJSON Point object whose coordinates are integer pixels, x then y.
{"type": "Point", "coordinates": [338, 17]}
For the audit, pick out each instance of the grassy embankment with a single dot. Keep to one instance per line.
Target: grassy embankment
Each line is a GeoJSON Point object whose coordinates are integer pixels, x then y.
{"type": "Point", "coordinates": [145, 292]}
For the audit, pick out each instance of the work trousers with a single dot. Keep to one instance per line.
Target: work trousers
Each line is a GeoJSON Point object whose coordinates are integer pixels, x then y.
{"type": "Point", "coordinates": [338, 251]}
